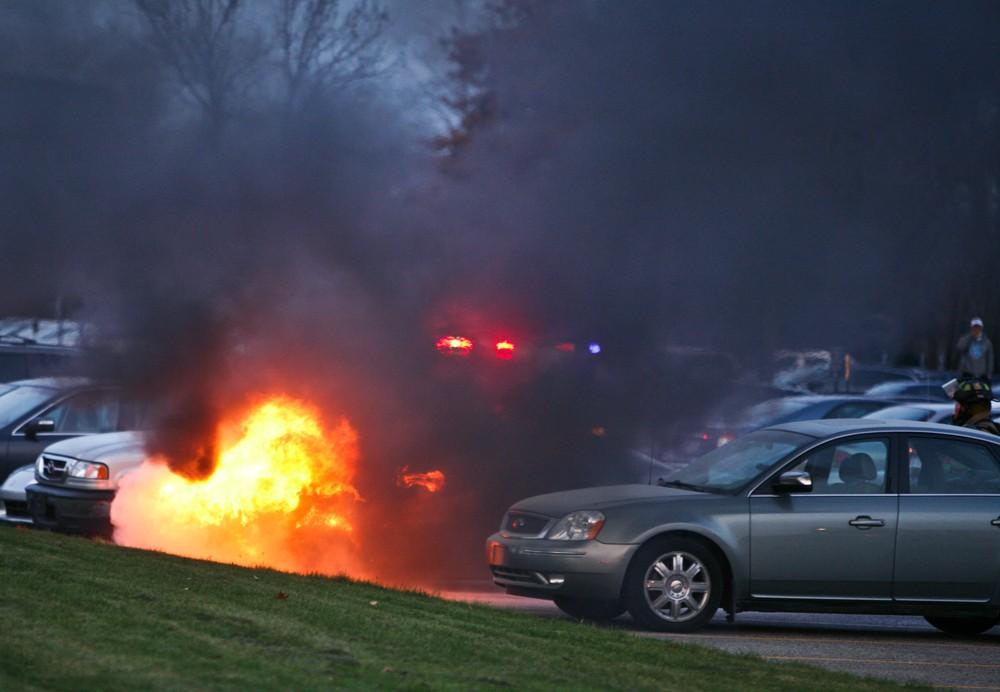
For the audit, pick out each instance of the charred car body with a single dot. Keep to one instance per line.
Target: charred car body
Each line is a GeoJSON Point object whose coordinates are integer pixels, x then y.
{"type": "Point", "coordinates": [848, 516]}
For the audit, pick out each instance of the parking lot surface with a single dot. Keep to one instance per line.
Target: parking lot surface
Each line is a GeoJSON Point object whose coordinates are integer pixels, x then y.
{"type": "Point", "coordinates": [900, 648]}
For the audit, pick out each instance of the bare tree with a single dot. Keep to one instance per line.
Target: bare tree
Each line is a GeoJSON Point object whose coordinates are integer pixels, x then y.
{"type": "Point", "coordinates": [200, 42]}
{"type": "Point", "coordinates": [328, 44]}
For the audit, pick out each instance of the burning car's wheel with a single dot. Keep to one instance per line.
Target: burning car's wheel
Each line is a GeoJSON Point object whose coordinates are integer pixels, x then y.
{"type": "Point", "coordinates": [673, 585]}
{"type": "Point", "coordinates": [963, 626]}
{"type": "Point", "coordinates": [590, 610]}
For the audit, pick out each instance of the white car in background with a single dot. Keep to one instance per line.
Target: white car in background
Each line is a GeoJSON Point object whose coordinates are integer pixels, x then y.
{"type": "Point", "coordinates": [74, 481]}
{"type": "Point", "coordinates": [926, 411]}
{"type": "Point", "coordinates": [13, 503]}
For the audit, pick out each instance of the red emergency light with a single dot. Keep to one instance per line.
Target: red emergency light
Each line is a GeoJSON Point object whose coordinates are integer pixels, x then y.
{"type": "Point", "coordinates": [505, 349]}
{"type": "Point", "coordinates": [454, 345]}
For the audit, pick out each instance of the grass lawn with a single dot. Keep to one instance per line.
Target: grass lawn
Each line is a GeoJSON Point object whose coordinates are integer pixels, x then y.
{"type": "Point", "coordinates": [79, 614]}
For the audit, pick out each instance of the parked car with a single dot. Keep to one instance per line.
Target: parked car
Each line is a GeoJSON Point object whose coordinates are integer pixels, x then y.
{"type": "Point", "coordinates": [852, 516]}
{"type": "Point", "coordinates": [35, 413]}
{"type": "Point", "coordinates": [916, 411]}
{"type": "Point", "coordinates": [76, 480]}
{"type": "Point", "coordinates": [926, 390]}
{"type": "Point", "coordinates": [22, 360]}
{"type": "Point", "coordinates": [781, 410]}
{"type": "Point", "coordinates": [13, 501]}
{"type": "Point", "coordinates": [827, 378]}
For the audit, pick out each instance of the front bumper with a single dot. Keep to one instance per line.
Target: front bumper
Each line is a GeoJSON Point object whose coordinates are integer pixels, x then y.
{"type": "Point", "coordinates": [14, 507]}
{"type": "Point", "coordinates": [551, 569]}
{"type": "Point", "coordinates": [70, 509]}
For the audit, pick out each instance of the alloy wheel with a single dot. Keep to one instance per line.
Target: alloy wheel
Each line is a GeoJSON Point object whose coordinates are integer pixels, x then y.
{"type": "Point", "coordinates": [677, 586]}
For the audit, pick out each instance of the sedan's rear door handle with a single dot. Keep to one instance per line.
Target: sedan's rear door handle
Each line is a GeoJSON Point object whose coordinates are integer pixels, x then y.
{"type": "Point", "coordinates": [996, 522]}
{"type": "Point", "coordinates": [866, 522]}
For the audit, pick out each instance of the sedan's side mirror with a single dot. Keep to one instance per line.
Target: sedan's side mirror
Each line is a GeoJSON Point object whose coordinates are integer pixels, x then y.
{"type": "Point", "coordinates": [43, 425]}
{"type": "Point", "coordinates": [794, 482]}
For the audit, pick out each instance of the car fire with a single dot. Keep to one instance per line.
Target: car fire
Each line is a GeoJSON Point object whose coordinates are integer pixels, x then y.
{"type": "Point", "coordinates": [431, 481]}
{"type": "Point", "coordinates": [281, 495]}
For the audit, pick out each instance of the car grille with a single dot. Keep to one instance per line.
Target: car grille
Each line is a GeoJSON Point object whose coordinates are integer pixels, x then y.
{"type": "Point", "coordinates": [54, 468]}
{"type": "Point", "coordinates": [518, 576]}
{"type": "Point", "coordinates": [18, 510]}
{"type": "Point", "coordinates": [525, 525]}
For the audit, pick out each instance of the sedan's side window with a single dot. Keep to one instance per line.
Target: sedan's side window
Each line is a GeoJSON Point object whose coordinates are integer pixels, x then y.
{"type": "Point", "coordinates": [851, 467]}
{"type": "Point", "coordinates": [948, 466]}
{"type": "Point", "coordinates": [87, 412]}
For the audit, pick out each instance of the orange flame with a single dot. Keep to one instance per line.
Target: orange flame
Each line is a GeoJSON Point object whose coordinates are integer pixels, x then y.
{"type": "Point", "coordinates": [281, 496]}
{"type": "Point", "coordinates": [432, 481]}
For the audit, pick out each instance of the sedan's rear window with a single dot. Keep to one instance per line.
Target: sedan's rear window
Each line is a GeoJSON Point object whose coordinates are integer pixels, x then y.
{"type": "Point", "coordinates": [734, 465]}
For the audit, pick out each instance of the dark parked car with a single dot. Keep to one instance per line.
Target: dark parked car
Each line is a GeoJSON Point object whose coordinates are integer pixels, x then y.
{"type": "Point", "coordinates": [926, 411]}
{"type": "Point", "coordinates": [786, 409]}
{"type": "Point", "coordinates": [20, 360]}
{"type": "Point", "coordinates": [928, 390]}
{"type": "Point", "coordinates": [851, 516]}
{"type": "Point", "coordinates": [36, 413]}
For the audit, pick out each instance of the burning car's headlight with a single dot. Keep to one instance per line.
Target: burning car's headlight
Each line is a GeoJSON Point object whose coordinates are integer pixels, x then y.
{"type": "Point", "coordinates": [578, 526]}
{"type": "Point", "coordinates": [90, 470]}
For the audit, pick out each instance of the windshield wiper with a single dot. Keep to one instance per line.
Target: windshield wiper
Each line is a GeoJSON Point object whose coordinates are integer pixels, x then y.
{"type": "Point", "coordinates": [684, 486]}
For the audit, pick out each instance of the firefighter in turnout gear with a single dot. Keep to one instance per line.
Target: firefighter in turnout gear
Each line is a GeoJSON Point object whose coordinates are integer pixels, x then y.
{"type": "Point", "coordinates": [973, 407]}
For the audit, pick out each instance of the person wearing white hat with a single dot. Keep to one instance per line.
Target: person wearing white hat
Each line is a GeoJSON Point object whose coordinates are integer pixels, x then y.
{"type": "Point", "coordinates": [975, 352]}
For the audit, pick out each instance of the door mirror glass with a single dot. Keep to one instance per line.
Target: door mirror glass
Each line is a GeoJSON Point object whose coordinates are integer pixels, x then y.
{"type": "Point", "coordinates": [40, 425]}
{"type": "Point", "coordinates": [794, 482]}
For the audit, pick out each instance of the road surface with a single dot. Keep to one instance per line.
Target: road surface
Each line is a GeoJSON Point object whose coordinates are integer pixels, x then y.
{"type": "Point", "coordinates": [900, 648]}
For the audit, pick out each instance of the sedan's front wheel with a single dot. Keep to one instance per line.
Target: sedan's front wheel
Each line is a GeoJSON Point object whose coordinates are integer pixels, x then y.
{"type": "Point", "coordinates": [963, 626]}
{"type": "Point", "coordinates": [673, 585]}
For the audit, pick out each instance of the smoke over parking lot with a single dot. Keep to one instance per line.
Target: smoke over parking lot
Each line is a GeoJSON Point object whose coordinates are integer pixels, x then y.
{"type": "Point", "coordinates": [735, 178]}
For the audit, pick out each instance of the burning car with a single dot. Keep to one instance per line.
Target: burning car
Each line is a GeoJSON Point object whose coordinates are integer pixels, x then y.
{"type": "Point", "coordinates": [76, 481]}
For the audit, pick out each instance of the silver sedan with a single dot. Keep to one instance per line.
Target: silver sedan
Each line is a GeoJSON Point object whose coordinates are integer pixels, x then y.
{"type": "Point", "coordinates": [848, 516]}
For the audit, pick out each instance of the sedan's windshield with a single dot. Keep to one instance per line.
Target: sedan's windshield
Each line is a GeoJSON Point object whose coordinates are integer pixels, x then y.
{"type": "Point", "coordinates": [732, 466]}
{"type": "Point", "coordinates": [19, 401]}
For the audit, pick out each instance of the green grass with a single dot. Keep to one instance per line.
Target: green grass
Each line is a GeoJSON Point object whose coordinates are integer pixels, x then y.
{"type": "Point", "coordinates": [79, 614]}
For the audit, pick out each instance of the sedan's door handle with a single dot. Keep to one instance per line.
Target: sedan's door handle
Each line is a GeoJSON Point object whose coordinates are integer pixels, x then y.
{"type": "Point", "coordinates": [866, 522]}
{"type": "Point", "coordinates": [996, 522]}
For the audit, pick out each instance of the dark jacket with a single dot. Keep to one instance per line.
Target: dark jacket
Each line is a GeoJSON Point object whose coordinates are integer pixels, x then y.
{"type": "Point", "coordinates": [975, 357]}
{"type": "Point", "coordinates": [982, 421]}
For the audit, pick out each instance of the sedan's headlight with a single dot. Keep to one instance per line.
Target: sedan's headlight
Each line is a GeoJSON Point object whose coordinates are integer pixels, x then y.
{"type": "Point", "coordinates": [90, 470]}
{"type": "Point", "coordinates": [39, 465]}
{"type": "Point", "coordinates": [578, 526]}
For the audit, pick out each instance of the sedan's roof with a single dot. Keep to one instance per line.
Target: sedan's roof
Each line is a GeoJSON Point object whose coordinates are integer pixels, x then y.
{"type": "Point", "coordinates": [830, 427]}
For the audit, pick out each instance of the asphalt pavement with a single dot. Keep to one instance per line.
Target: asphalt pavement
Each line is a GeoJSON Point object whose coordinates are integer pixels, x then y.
{"type": "Point", "coordinates": [900, 648]}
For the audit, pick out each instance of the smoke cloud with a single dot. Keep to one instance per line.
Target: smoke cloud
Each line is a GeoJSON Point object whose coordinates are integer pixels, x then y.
{"type": "Point", "coordinates": [731, 178]}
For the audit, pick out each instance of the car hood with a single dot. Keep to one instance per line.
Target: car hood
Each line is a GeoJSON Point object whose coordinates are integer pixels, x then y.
{"type": "Point", "coordinates": [559, 504]}
{"type": "Point", "coordinates": [108, 448]}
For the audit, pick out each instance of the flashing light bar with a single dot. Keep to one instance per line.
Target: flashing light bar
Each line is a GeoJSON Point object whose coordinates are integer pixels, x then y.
{"type": "Point", "coordinates": [454, 345]}
{"type": "Point", "coordinates": [505, 349]}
